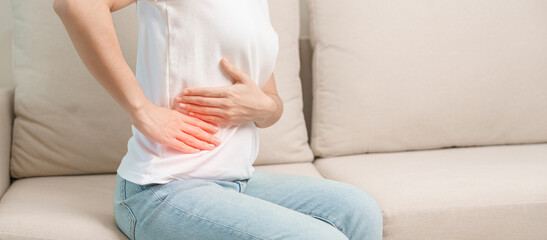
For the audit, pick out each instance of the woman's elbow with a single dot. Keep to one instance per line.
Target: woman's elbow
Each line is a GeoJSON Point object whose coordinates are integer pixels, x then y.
{"type": "Point", "coordinates": [65, 8]}
{"type": "Point", "coordinates": [62, 7]}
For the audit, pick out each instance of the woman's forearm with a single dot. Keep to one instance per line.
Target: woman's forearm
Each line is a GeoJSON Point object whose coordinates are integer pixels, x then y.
{"type": "Point", "coordinates": [91, 29]}
{"type": "Point", "coordinates": [272, 119]}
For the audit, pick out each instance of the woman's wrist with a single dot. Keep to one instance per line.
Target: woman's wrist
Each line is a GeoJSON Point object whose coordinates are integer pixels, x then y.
{"type": "Point", "coordinates": [138, 109]}
{"type": "Point", "coordinates": [268, 111]}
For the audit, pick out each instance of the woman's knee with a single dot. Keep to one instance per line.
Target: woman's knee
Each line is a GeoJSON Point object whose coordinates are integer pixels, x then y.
{"type": "Point", "coordinates": [362, 213]}
{"type": "Point", "coordinates": [362, 200]}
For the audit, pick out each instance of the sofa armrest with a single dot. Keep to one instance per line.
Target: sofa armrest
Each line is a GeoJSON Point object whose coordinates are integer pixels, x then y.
{"type": "Point", "coordinates": [6, 125]}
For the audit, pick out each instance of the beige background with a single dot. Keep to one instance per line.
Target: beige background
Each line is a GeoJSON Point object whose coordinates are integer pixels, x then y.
{"type": "Point", "coordinates": [6, 30]}
{"type": "Point", "coordinates": [5, 44]}
{"type": "Point", "coordinates": [6, 79]}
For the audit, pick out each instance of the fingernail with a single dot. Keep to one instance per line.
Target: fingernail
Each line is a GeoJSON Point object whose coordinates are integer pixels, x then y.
{"type": "Point", "coordinates": [211, 146]}
{"type": "Point", "coordinates": [216, 140]}
{"type": "Point", "coordinates": [182, 105]}
{"type": "Point", "coordinates": [185, 91]}
{"type": "Point", "coordinates": [178, 98]}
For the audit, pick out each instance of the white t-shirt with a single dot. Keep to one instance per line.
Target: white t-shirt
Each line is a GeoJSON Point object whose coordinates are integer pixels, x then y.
{"type": "Point", "coordinates": [180, 45]}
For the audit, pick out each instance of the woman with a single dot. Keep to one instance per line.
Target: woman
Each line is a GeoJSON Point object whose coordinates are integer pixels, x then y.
{"type": "Point", "coordinates": [204, 83]}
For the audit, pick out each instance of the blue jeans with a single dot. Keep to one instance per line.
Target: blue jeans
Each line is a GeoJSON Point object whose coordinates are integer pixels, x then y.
{"type": "Point", "coordinates": [265, 206]}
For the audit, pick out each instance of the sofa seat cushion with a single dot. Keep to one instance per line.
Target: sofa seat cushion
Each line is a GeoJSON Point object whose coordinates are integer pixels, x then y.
{"type": "Point", "coordinates": [77, 207]}
{"type": "Point", "coordinates": [60, 207]}
{"type": "Point", "coordinates": [494, 192]}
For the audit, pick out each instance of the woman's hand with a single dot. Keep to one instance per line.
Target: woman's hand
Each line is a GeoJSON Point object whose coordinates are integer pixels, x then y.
{"type": "Point", "coordinates": [90, 27]}
{"type": "Point", "coordinates": [239, 103]}
{"type": "Point", "coordinates": [174, 129]}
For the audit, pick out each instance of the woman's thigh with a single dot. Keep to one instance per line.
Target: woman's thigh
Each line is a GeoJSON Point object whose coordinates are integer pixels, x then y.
{"type": "Point", "coordinates": [348, 208]}
{"type": "Point", "coordinates": [209, 209]}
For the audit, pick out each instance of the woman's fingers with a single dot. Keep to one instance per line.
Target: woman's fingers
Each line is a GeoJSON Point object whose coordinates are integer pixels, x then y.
{"type": "Point", "coordinates": [205, 92]}
{"type": "Point", "coordinates": [235, 72]}
{"type": "Point", "coordinates": [209, 127]}
{"type": "Point", "coordinates": [179, 145]}
{"type": "Point", "coordinates": [202, 135]}
{"type": "Point", "coordinates": [209, 118]}
{"type": "Point", "coordinates": [203, 109]}
{"type": "Point", "coordinates": [187, 136]}
{"type": "Point", "coordinates": [193, 139]}
{"type": "Point", "coordinates": [203, 100]}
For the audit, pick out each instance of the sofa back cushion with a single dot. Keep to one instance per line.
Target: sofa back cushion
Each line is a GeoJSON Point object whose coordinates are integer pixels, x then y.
{"type": "Point", "coordinates": [67, 123]}
{"type": "Point", "coordinates": [287, 140]}
{"type": "Point", "coordinates": [6, 30]}
{"type": "Point", "coordinates": [409, 75]}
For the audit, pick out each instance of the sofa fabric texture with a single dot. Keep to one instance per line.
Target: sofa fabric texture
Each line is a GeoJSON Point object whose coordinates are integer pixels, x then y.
{"type": "Point", "coordinates": [77, 207]}
{"type": "Point", "coordinates": [66, 123]}
{"type": "Point", "coordinates": [489, 192]}
{"type": "Point", "coordinates": [436, 109]}
{"type": "Point", "coordinates": [410, 75]}
{"type": "Point", "coordinates": [6, 124]}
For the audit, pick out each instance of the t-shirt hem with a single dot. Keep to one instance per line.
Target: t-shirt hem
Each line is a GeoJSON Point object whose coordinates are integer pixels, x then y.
{"type": "Point", "coordinates": [142, 179]}
{"type": "Point", "coordinates": [139, 178]}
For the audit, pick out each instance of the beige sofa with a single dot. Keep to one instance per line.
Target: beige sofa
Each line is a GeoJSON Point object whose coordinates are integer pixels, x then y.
{"type": "Point", "coordinates": [437, 109]}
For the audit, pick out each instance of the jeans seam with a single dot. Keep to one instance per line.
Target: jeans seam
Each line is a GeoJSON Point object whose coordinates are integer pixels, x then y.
{"type": "Point", "coordinates": [133, 218]}
{"type": "Point", "coordinates": [123, 190]}
{"type": "Point", "coordinates": [133, 221]}
{"type": "Point", "coordinates": [209, 220]}
{"type": "Point", "coordinates": [325, 219]}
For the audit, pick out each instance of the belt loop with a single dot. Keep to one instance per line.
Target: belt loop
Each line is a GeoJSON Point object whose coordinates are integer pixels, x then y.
{"type": "Point", "coordinates": [242, 185]}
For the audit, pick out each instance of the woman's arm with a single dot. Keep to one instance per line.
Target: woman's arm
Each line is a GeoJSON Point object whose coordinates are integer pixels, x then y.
{"type": "Point", "coordinates": [239, 103]}
{"type": "Point", "coordinates": [270, 90]}
{"type": "Point", "coordinates": [91, 28]}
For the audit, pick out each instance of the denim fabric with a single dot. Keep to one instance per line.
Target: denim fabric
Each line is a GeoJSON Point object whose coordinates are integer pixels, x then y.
{"type": "Point", "coordinates": [265, 206]}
